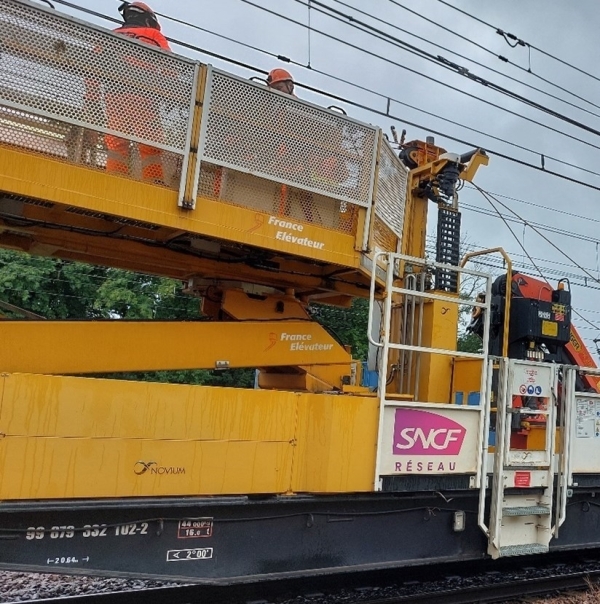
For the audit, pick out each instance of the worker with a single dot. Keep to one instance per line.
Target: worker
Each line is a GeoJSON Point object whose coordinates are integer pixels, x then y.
{"type": "Point", "coordinates": [282, 80]}
{"type": "Point", "coordinates": [126, 110]}
{"type": "Point", "coordinates": [321, 170]}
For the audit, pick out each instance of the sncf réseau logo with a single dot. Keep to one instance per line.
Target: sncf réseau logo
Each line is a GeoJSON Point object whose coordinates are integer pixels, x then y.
{"type": "Point", "coordinates": [141, 467]}
{"type": "Point", "coordinates": [426, 433]}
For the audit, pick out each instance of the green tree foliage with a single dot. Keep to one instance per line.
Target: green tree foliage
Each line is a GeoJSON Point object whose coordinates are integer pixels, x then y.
{"type": "Point", "coordinates": [57, 289]}
{"type": "Point", "coordinates": [348, 325]}
{"type": "Point", "coordinates": [469, 342]}
{"type": "Point", "coordinates": [48, 287]}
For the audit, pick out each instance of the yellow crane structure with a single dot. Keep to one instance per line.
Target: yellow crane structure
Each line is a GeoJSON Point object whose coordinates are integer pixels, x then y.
{"type": "Point", "coordinates": [267, 203]}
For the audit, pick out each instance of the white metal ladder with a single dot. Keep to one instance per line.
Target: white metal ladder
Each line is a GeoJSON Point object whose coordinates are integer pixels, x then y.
{"type": "Point", "coordinates": [521, 510]}
{"type": "Point", "coordinates": [387, 265]}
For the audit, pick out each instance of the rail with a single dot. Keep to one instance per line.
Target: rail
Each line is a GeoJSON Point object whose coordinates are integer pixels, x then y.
{"type": "Point", "coordinates": [466, 588]}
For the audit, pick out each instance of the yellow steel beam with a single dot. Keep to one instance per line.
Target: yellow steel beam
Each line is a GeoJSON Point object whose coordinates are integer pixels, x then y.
{"type": "Point", "coordinates": [38, 177]}
{"type": "Point", "coordinates": [106, 346]}
{"type": "Point", "coordinates": [155, 260]}
{"type": "Point", "coordinates": [479, 159]}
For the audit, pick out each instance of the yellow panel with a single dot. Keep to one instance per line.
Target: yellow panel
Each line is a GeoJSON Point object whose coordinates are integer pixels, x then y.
{"type": "Point", "coordinates": [51, 468]}
{"type": "Point", "coordinates": [66, 437]}
{"type": "Point", "coordinates": [43, 178]}
{"type": "Point", "coordinates": [466, 377]}
{"type": "Point", "coordinates": [337, 439]}
{"type": "Point", "coordinates": [48, 406]}
{"type": "Point", "coordinates": [76, 437]}
{"type": "Point", "coordinates": [440, 321]}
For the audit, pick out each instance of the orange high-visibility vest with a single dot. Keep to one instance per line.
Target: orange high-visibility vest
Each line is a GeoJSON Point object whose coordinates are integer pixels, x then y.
{"type": "Point", "coordinates": [120, 104]}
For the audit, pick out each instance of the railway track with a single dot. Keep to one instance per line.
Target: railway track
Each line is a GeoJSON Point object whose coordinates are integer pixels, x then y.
{"type": "Point", "coordinates": [491, 587]}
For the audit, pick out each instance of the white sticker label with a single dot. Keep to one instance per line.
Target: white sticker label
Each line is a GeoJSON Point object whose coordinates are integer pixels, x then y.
{"type": "Point", "coordinates": [197, 553]}
{"type": "Point", "coordinates": [588, 418]}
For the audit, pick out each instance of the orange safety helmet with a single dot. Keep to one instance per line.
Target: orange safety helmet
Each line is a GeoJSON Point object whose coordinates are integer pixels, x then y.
{"type": "Point", "coordinates": [279, 75]}
{"type": "Point", "coordinates": [131, 10]}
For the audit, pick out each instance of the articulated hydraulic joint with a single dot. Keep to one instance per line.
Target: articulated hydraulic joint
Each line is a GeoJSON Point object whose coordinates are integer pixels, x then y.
{"type": "Point", "coordinates": [437, 176]}
{"type": "Point", "coordinates": [439, 172]}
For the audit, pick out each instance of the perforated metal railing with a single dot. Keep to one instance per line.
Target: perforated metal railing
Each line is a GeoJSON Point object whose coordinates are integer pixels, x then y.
{"type": "Point", "coordinates": [249, 191]}
{"type": "Point", "coordinates": [80, 93]}
{"type": "Point", "coordinates": [278, 137]}
{"type": "Point", "coordinates": [390, 200]}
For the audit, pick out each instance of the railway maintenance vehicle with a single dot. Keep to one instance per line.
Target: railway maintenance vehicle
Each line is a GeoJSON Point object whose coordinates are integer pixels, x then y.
{"type": "Point", "coordinates": [267, 204]}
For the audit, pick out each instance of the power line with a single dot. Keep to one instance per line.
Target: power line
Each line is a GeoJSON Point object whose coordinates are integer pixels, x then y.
{"type": "Point", "coordinates": [466, 58]}
{"type": "Point", "coordinates": [500, 267]}
{"type": "Point", "coordinates": [542, 207]}
{"type": "Point", "coordinates": [557, 272]}
{"type": "Point", "coordinates": [576, 279]}
{"type": "Point", "coordinates": [542, 227]}
{"type": "Point", "coordinates": [520, 42]}
{"type": "Point", "coordinates": [501, 57]}
{"type": "Point", "coordinates": [581, 268]}
{"type": "Point", "coordinates": [514, 236]}
{"type": "Point", "coordinates": [437, 60]}
{"type": "Point", "coordinates": [454, 33]}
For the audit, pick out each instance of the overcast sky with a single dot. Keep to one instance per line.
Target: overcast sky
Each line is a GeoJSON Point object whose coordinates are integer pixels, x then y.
{"type": "Point", "coordinates": [566, 30]}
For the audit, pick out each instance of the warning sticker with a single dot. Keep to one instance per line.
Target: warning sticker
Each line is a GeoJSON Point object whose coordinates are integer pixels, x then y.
{"type": "Point", "coordinates": [522, 479]}
{"type": "Point", "coordinates": [588, 418]}
{"type": "Point", "coordinates": [532, 381]}
{"type": "Point", "coordinates": [549, 328]}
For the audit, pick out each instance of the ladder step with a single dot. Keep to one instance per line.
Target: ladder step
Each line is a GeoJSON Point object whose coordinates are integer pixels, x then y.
{"type": "Point", "coordinates": [523, 550]}
{"type": "Point", "coordinates": [526, 411]}
{"type": "Point", "coordinates": [526, 510]}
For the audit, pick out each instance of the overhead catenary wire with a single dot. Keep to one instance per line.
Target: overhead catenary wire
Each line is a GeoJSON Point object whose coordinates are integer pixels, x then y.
{"type": "Point", "coordinates": [466, 58]}
{"type": "Point", "coordinates": [449, 65]}
{"type": "Point", "coordinates": [541, 207]}
{"type": "Point", "coordinates": [501, 57]}
{"type": "Point", "coordinates": [500, 267]}
{"type": "Point", "coordinates": [519, 41]}
{"type": "Point", "coordinates": [516, 238]}
{"type": "Point", "coordinates": [487, 196]}
{"type": "Point", "coordinates": [440, 62]}
{"type": "Point", "coordinates": [551, 267]}
{"type": "Point", "coordinates": [541, 226]}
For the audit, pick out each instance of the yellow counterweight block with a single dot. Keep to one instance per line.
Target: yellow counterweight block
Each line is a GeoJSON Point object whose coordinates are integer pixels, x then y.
{"type": "Point", "coordinates": [69, 437]}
